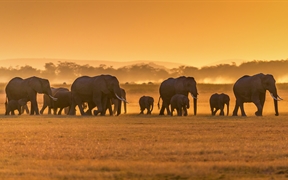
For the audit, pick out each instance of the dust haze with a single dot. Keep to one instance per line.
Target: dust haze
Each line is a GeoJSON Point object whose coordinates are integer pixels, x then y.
{"type": "Point", "coordinates": [66, 72]}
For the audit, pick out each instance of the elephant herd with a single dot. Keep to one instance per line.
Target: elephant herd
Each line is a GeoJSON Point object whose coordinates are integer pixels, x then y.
{"type": "Point", "coordinates": [99, 91]}
{"type": "Point", "coordinates": [174, 92]}
{"type": "Point", "coordinates": [104, 90]}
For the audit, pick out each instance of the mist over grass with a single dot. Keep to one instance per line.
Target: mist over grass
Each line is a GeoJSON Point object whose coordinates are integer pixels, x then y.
{"type": "Point", "coordinates": [143, 73]}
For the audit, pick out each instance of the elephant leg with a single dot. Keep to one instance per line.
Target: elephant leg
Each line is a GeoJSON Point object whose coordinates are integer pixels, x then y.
{"type": "Point", "coordinates": [185, 111]}
{"type": "Point", "coordinates": [262, 101]}
{"type": "Point", "coordinates": [77, 101]}
{"type": "Point", "coordinates": [32, 110]}
{"type": "Point", "coordinates": [221, 112]}
{"type": "Point", "coordinates": [43, 108]}
{"type": "Point", "coordinates": [91, 105]}
{"type": "Point", "coordinates": [235, 111]}
{"type": "Point", "coordinates": [259, 108]}
{"type": "Point", "coordinates": [34, 107]}
{"type": "Point", "coordinates": [49, 109]}
{"type": "Point", "coordinates": [212, 110]}
{"type": "Point", "coordinates": [168, 109]}
{"type": "Point", "coordinates": [97, 100]}
{"type": "Point", "coordinates": [179, 111]}
{"type": "Point", "coordinates": [60, 111]}
{"type": "Point", "coordinates": [162, 109]}
{"type": "Point", "coordinates": [73, 106]}
{"type": "Point", "coordinates": [241, 105]}
{"type": "Point", "coordinates": [26, 109]}
{"type": "Point", "coordinates": [148, 109]}
{"type": "Point", "coordinates": [55, 110]}
{"type": "Point", "coordinates": [141, 109]}
{"type": "Point", "coordinates": [172, 110]}
{"type": "Point", "coordinates": [109, 106]}
{"type": "Point", "coordinates": [115, 102]}
{"type": "Point", "coordinates": [216, 110]}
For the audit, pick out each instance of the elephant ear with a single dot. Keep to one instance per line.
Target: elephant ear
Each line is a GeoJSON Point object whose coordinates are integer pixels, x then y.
{"type": "Point", "coordinates": [101, 84]}
{"type": "Point", "coordinates": [266, 81]}
{"type": "Point", "coordinates": [35, 84]}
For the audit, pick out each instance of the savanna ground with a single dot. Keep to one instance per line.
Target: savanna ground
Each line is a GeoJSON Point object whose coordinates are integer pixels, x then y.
{"type": "Point", "coordinates": [134, 146]}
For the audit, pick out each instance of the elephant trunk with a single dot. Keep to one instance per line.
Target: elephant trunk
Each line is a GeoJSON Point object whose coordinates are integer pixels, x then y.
{"type": "Point", "coordinates": [276, 107]}
{"type": "Point", "coordinates": [119, 107]}
{"type": "Point", "coordinates": [125, 107]}
{"type": "Point", "coordinates": [275, 96]}
{"type": "Point", "coordinates": [195, 105]}
{"type": "Point", "coordinates": [194, 94]}
{"type": "Point", "coordinates": [49, 93]}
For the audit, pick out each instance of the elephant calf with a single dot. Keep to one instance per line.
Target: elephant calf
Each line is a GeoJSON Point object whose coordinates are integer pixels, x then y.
{"type": "Point", "coordinates": [13, 105]}
{"type": "Point", "coordinates": [179, 102]}
{"type": "Point", "coordinates": [217, 101]}
{"type": "Point", "coordinates": [146, 102]}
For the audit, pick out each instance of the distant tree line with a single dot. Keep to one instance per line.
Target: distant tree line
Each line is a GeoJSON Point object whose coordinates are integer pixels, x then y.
{"type": "Point", "coordinates": [222, 73]}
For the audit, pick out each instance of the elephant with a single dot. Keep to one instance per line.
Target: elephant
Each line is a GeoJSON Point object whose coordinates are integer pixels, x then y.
{"type": "Point", "coordinates": [47, 102]}
{"type": "Point", "coordinates": [253, 89]}
{"type": "Point", "coordinates": [179, 102]}
{"type": "Point", "coordinates": [181, 85]}
{"type": "Point", "coordinates": [64, 100]}
{"type": "Point", "coordinates": [218, 101]}
{"type": "Point", "coordinates": [18, 88]}
{"type": "Point", "coordinates": [116, 102]}
{"type": "Point", "coordinates": [146, 102]}
{"type": "Point", "coordinates": [13, 105]}
{"type": "Point", "coordinates": [97, 92]}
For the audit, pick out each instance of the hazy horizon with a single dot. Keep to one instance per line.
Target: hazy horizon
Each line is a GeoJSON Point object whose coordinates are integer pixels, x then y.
{"type": "Point", "coordinates": [138, 73]}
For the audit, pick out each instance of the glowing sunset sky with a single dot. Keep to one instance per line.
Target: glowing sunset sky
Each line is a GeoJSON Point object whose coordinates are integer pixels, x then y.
{"type": "Point", "coordinates": [190, 32]}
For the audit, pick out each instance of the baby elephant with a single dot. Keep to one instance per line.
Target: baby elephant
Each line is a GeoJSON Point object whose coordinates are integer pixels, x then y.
{"type": "Point", "coordinates": [217, 101]}
{"type": "Point", "coordinates": [179, 102]}
{"type": "Point", "coordinates": [146, 102]}
{"type": "Point", "coordinates": [13, 105]}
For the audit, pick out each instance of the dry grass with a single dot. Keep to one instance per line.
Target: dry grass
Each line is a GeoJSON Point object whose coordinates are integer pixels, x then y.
{"type": "Point", "coordinates": [136, 146]}
{"type": "Point", "coordinates": [143, 147]}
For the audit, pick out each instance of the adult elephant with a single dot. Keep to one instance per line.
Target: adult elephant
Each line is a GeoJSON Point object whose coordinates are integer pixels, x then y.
{"type": "Point", "coordinates": [218, 101]}
{"type": "Point", "coordinates": [96, 91]}
{"type": "Point", "coordinates": [116, 102]}
{"type": "Point", "coordinates": [253, 89]}
{"type": "Point", "coordinates": [181, 85]}
{"type": "Point", "coordinates": [18, 88]}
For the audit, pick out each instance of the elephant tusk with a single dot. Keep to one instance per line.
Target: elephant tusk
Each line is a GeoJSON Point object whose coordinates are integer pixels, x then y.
{"type": "Point", "coordinates": [274, 97]}
{"type": "Point", "coordinates": [194, 96]}
{"type": "Point", "coordinates": [279, 98]}
{"type": "Point", "coordinates": [54, 99]}
{"type": "Point", "coordinates": [125, 100]}
{"type": "Point", "coordinates": [121, 99]}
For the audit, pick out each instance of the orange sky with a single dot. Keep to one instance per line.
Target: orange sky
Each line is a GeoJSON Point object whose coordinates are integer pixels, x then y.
{"type": "Point", "coordinates": [195, 33]}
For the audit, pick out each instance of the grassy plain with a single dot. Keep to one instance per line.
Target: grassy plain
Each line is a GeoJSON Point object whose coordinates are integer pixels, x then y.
{"type": "Point", "coordinates": [133, 146]}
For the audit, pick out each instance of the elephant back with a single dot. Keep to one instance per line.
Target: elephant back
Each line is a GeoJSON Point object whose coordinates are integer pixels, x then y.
{"type": "Point", "coordinates": [13, 89]}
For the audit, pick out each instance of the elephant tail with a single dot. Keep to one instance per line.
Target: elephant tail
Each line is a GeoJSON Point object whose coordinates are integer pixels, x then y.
{"type": "Point", "coordinates": [158, 104]}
